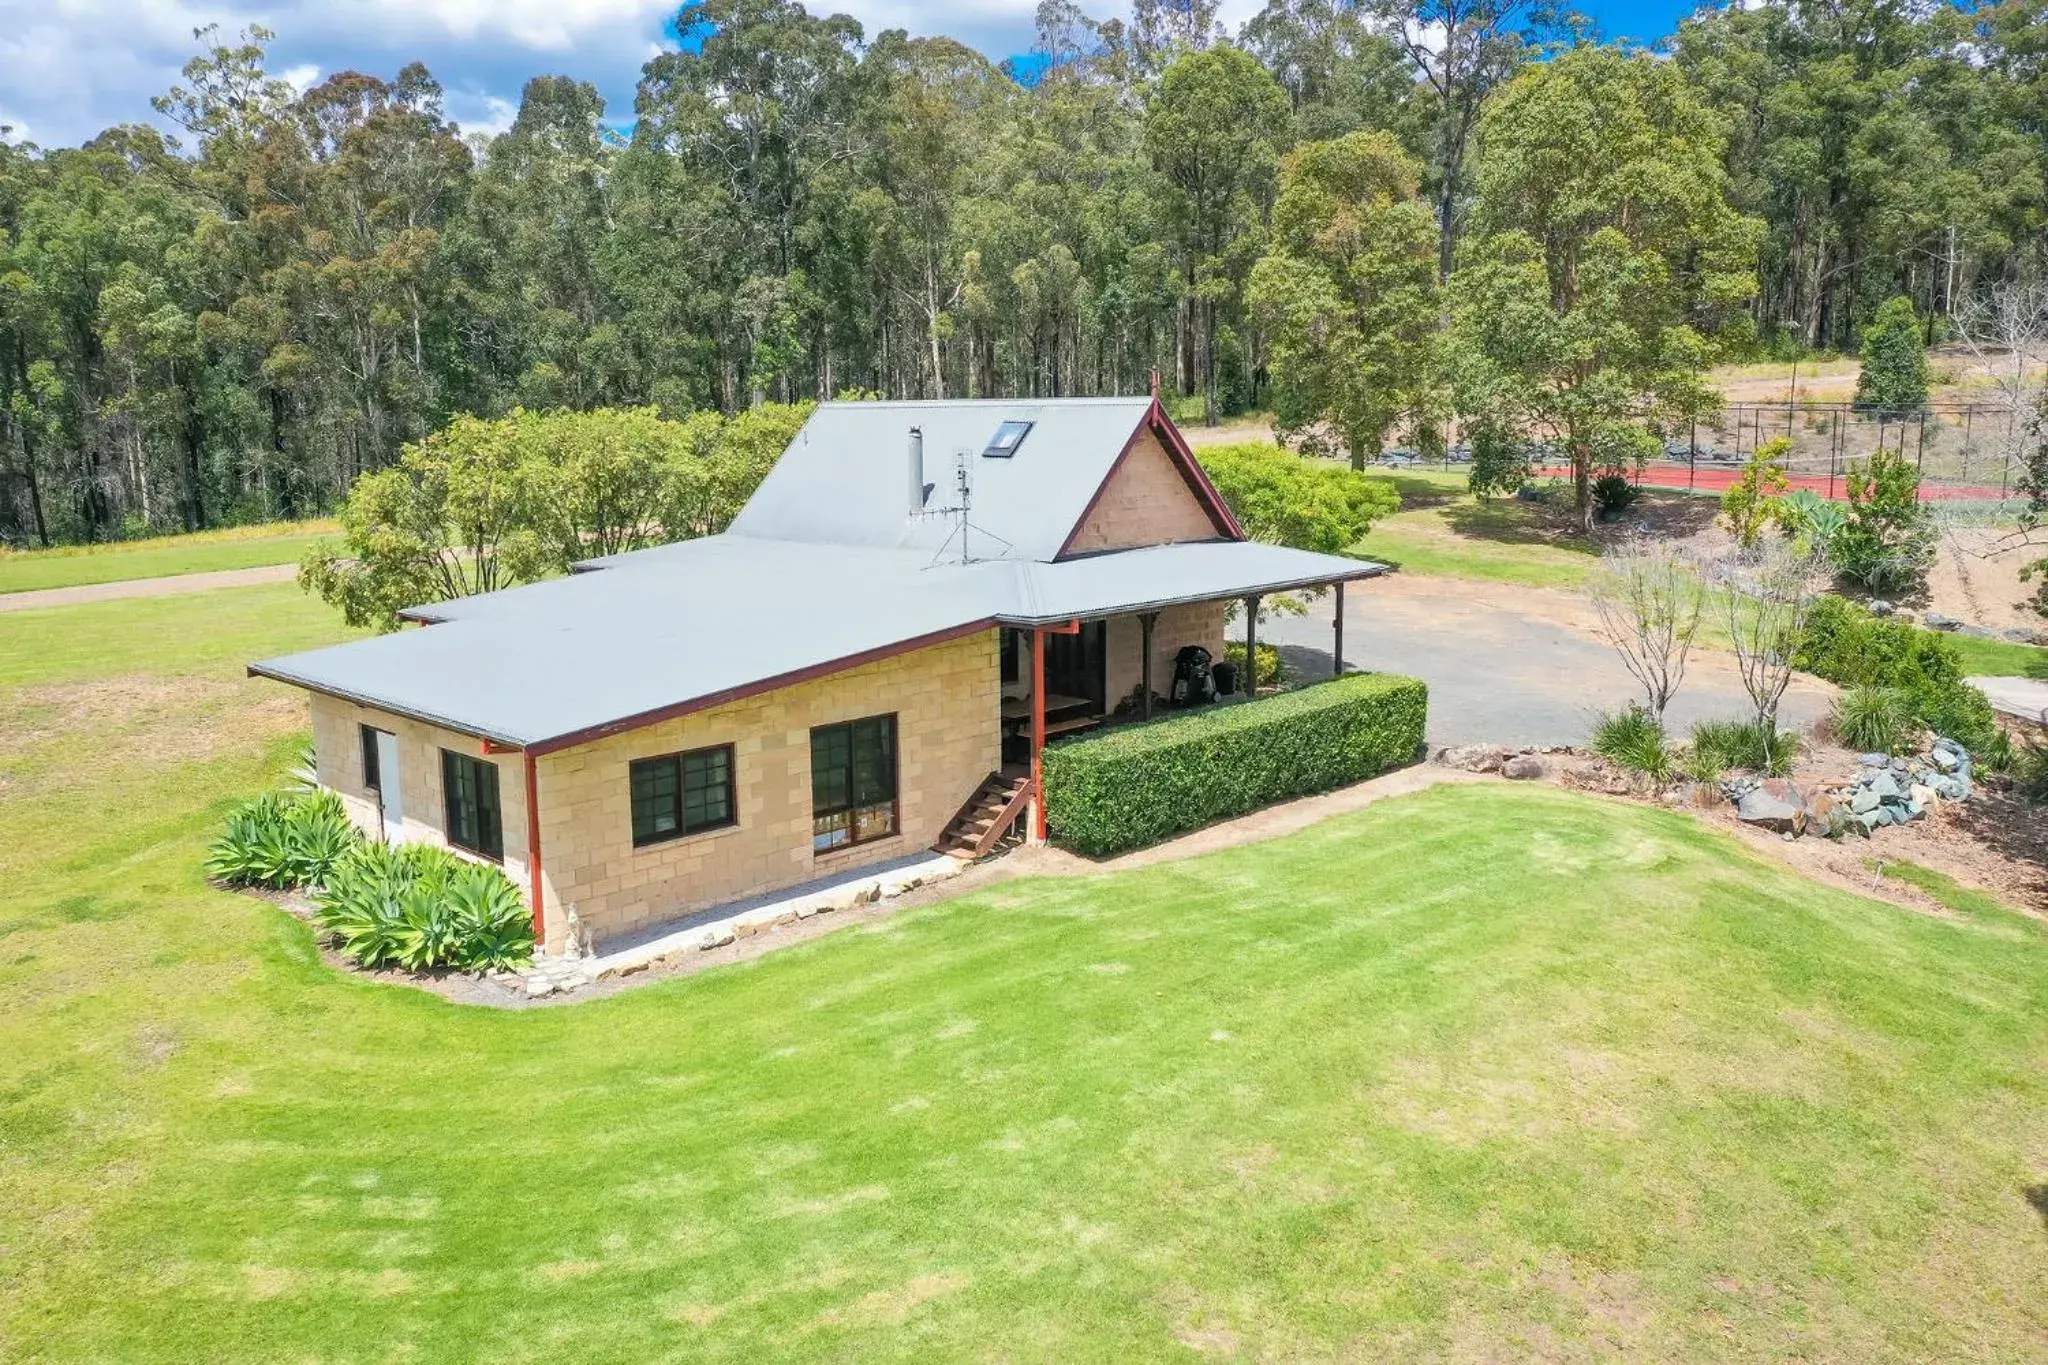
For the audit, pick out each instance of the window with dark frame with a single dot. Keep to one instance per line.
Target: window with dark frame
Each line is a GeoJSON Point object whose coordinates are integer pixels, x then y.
{"type": "Point", "coordinates": [678, 794]}
{"type": "Point", "coordinates": [853, 783]}
{"type": "Point", "coordinates": [373, 778]}
{"type": "Point", "coordinates": [469, 794]}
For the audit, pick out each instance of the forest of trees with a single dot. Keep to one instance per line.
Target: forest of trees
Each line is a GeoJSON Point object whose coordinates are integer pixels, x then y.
{"type": "Point", "coordinates": [232, 321]}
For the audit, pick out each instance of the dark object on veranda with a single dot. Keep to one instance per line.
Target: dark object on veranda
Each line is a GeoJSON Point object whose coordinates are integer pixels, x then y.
{"type": "Point", "coordinates": [1194, 681]}
{"type": "Point", "coordinates": [1226, 678]}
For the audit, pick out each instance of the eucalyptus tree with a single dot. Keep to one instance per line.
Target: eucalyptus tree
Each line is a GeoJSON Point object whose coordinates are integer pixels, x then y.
{"type": "Point", "coordinates": [1215, 125]}
{"type": "Point", "coordinates": [1606, 259]}
{"type": "Point", "coordinates": [1347, 292]}
{"type": "Point", "coordinates": [1460, 51]}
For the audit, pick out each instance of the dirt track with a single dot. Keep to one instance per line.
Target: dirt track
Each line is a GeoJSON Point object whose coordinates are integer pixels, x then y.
{"type": "Point", "coordinates": [147, 587]}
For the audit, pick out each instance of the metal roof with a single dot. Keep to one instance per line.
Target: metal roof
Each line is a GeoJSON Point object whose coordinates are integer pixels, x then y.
{"type": "Point", "coordinates": [845, 478]}
{"type": "Point", "coordinates": [663, 631]}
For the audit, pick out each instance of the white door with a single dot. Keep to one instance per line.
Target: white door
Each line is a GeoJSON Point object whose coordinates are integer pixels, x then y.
{"type": "Point", "coordinates": [388, 785]}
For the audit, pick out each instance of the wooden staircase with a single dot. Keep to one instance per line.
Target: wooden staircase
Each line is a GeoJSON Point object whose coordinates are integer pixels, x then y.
{"type": "Point", "coordinates": [988, 815]}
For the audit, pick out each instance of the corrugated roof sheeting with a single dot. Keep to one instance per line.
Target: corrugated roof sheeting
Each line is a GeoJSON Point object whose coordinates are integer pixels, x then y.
{"type": "Point", "coordinates": [696, 622]}
{"type": "Point", "coordinates": [845, 479]}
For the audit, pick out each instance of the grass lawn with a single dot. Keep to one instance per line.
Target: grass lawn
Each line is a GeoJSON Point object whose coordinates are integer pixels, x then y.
{"type": "Point", "coordinates": [2000, 658]}
{"type": "Point", "coordinates": [1442, 529]}
{"type": "Point", "coordinates": [242, 547]}
{"type": "Point", "coordinates": [1486, 1073]}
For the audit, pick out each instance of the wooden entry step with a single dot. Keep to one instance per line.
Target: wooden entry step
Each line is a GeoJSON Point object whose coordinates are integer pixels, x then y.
{"type": "Point", "coordinates": [988, 815]}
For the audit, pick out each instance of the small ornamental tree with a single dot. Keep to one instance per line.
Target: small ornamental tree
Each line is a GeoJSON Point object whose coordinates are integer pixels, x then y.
{"type": "Point", "coordinates": [1751, 502]}
{"type": "Point", "coordinates": [1894, 375]}
{"type": "Point", "coordinates": [1888, 543]}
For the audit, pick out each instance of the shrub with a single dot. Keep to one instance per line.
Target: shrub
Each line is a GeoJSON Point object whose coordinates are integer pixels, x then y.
{"type": "Point", "coordinates": [420, 907]}
{"type": "Point", "coordinates": [281, 840]}
{"type": "Point", "coordinates": [1500, 459]}
{"type": "Point", "coordinates": [1876, 719]}
{"type": "Point", "coordinates": [1848, 646]}
{"type": "Point", "coordinates": [2029, 764]}
{"type": "Point", "coordinates": [1887, 542]}
{"type": "Point", "coordinates": [1613, 494]}
{"type": "Point", "coordinates": [1751, 502]}
{"type": "Point", "coordinates": [1718, 745]}
{"type": "Point", "coordinates": [1284, 499]}
{"type": "Point", "coordinates": [1634, 739]}
{"type": "Point", "coordinates": [1893, 377]}
{"type": "Point", "coordinates": [1139, 784]}
{"type": "Point", "coordinates": [1270, 671]}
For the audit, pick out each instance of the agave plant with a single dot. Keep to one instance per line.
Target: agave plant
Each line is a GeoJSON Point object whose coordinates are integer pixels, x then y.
{"type": "Point", "coordinates": [421, 908]}
{"type": "Point", "coordinates": [496, 930]}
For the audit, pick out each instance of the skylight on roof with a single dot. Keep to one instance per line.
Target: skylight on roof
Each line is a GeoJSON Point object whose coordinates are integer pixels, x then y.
{"type": "Point", "coordinates": [1004, 443]}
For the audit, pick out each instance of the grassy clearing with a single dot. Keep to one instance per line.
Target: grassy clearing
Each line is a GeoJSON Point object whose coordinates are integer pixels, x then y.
{"type": "Point", "coordinates": [1443, 529]}
{"type": "Point", "coordinates": [2000, 658]}
{"type": "Point", "coordinates": [1491, 1072]}
{"type": "Point", "coordinates": [241, 547]}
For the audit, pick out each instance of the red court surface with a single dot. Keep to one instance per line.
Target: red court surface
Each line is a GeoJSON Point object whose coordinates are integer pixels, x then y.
{"type": "Point", "coordinates": [1718, 477]}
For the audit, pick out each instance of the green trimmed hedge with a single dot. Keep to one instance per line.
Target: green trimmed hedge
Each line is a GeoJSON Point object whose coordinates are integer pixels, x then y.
{"type": "Point", "coordinates": [1139, 784]}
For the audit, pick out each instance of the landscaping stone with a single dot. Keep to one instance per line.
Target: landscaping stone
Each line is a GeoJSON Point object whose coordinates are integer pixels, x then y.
{"type": "Point", "coordinates": [715, 936]}
{"type": "Point", "coordinates": [1523, 768]}
{"type": "Point", "coordinates": [1773, 804]}
{"type": "Point", "coordinates": [1473, 758]}
{"type": "Point", "coordinates": [1880, 607]}
{"type": "Point", "coordinates": [1873, 760]}
{"type": "Point", "coordinates": [2024, 635]}
{"type": "Point", "coordinates": [1941, 620]}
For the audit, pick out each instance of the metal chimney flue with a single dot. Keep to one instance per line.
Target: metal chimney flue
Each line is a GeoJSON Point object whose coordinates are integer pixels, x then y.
{"type": "Point", "coordinates": [919, 489]}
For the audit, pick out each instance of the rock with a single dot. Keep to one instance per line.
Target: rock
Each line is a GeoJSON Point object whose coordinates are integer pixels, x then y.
{"type": "Point", "coordinates": [2023, 635]}
{"type": "Point", "coordinates": [1523, 768]}
{"type": "Point", "coordinates": [538, 986]}
{"type": "Point", "coordinates": [1941, 620]}
{"type": "Point", "coordinates": [1774, 804]}
{"type": "Point", "coordinates": [1865, 801]}
{"type": "Point", "coordinates": [1880, 607]}
{"type": "Point", "coordinates": [1899, 765]}
{"type": "Point", "coordinates": [1873, 760]}
{"type": "Point", "coordinates": [1884, 787]}
{"type": "Point", "coordinates": [1979, 632]}
{"type": "Point", "coordinates": [1473, 758]}
{"type": "Point", "coordinates": [1947, 760]}
{"type": "Point", "coordinates": [715, 936]}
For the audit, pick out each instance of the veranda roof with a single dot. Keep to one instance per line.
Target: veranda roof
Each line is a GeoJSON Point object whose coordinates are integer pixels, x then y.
{"type": "Point", "coordinates": [660, 632]}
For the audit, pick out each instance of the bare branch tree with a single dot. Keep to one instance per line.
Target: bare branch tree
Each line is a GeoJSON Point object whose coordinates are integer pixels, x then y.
{"type": "Point", "coordinates": [2006, 329]}
{"type": "Point", "coordinates": [1765, 597]}
{"type": "Point", "coordinates": [1650, 599]}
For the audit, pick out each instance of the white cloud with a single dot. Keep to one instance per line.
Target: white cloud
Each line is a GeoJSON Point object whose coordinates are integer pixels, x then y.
{"type": "Point", "coordinates": [482, 114]}
{"type": "Point", "coordinates": [301, 78]}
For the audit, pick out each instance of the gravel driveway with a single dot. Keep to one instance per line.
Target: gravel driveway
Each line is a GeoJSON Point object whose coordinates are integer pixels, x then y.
{"type": "Point", "coordinates": [1506, 664]}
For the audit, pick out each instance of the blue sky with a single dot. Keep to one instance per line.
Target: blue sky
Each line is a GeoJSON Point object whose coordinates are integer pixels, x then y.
{"type": "Point", "coordinates": [69, 69]}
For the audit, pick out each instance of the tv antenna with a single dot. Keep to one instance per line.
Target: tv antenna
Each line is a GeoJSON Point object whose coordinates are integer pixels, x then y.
{"type": "Point", "coordinates": [962, 505]}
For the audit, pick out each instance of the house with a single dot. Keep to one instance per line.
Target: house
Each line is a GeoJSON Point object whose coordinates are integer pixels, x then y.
{"type": "Point", "coordinates": [866, 665]}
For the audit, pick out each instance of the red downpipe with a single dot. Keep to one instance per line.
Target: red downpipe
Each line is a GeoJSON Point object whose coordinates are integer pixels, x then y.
{"type": "Point", "coordinates": [1038, 735]}
{"type": "Point", "coordinates": [1038, 635]}
{"type": "Point", "coordinates": [540, 937]}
